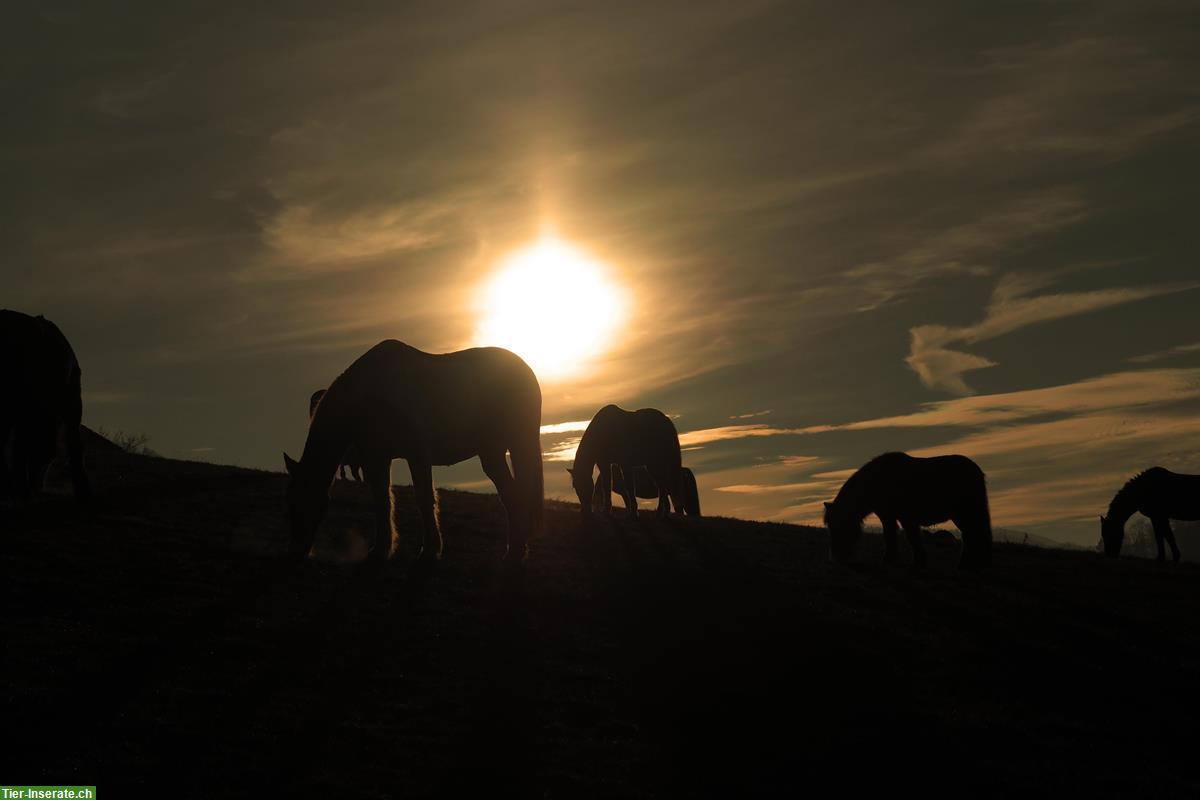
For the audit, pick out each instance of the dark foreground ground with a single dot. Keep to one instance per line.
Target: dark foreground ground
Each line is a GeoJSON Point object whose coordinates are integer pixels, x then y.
{"type": "Point", "coordinates": [154, 642]}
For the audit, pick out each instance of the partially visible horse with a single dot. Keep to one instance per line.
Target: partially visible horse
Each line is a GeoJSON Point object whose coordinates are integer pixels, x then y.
{"type": "Point", "coordinates": [41, 400]}
{"type": "Point", "coordinates": [645, 488]}
{"type": "Point", "coordinates": [396, 401]}
{"type": "Point", "coordinates": [1159, 494]}
{"type": "Point", "coordinates": [913, 492]}
{"type": "Point", "coordinates": [350, 459]}
{"type": "Point", "coordinates": [629, 439]}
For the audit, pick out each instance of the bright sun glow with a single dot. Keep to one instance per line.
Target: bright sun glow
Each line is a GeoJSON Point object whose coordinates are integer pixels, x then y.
{"type": "Point", "coordinates": [550, 304]}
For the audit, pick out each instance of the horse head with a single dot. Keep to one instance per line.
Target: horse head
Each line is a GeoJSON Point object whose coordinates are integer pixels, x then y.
{"type": "Point", "coordinates": [845, 529]}
{"type": "Point", "coordinates": [584, 487]}
{"type": "Point", "coordinates": [1112, 534]}
{"type": "Point", "coordinates": [307, 502]}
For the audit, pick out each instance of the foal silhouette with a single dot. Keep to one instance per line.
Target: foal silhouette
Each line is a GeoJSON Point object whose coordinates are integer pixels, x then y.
{"type": "Point", "coordinates": [913, 492]}
{"type": "Point", "coordinates": [41, 399]}
{"type": "Point", "coordinates": [645, 488]}
{"type": "Point", "coordinates": [643, 438]}
{"type": "Point", "coordinates": [396, 401]}
{"type": "Point", "coordinates": [350, 458]}
{"type": "Point", "coordinates": [1159, 494]}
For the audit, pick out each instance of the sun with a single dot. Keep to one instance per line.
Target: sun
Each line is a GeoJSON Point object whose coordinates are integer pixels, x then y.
{"type": "Point", "coordinates": [551, 304]}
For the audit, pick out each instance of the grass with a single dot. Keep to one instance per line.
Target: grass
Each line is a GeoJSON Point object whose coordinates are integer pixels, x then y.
{"type": "Point", "coordinates": [155, 642]}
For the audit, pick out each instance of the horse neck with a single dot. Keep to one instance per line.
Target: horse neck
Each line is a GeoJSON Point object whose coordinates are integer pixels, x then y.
{"type": "Point", "coordinates": [1124, 503]}
{"type": "Point", "coordinates": [855, 497]}
{"type": "Point", "coordinates": [326, 444]}
{"type": "Point", "coordinates": [585, 455]}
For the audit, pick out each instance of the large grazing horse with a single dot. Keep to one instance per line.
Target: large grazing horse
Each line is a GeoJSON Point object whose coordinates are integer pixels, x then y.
{"type": "Point", "coordinates": [629, 439]}
{"type": "Point", "coordinates": [1159, 494]}
{"type": "Point", "coordinates": [350, 459]}
{"type": "Point", "coordinates": [913, 492]}
{"type": "Point", "coordinates": [40, 399]}
{"type": "Point", "coordinates": [396, 401]}
{"type": "Point", "coordinates": [645, 488]}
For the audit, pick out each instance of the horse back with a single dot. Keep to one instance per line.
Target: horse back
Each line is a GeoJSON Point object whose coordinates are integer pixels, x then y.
{"type": "Point", "coordinates": [926, 491]}
{"type": "Point", "coordinates": [448, 405]}
{"type": "Point", "coordinates": [645, 437]}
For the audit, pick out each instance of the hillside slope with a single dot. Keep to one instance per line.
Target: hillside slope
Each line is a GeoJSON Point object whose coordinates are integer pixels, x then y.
{"type": "Point", "coordinates": [155, 640]}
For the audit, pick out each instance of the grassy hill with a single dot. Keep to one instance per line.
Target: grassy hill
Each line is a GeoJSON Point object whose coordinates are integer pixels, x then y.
{"type": "Point", "coordinates": [155, 641]}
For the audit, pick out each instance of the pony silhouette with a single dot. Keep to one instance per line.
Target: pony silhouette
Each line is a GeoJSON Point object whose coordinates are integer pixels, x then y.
{"type": "Point", "coordinates": [913, 492]}
{"type": "Point", "coordinates": [629, 439]}
{"type": "Point", "coordinates": [396, 401]}
{"type": "Point", "coordinates": [1159, 494]}
{"type": "Point", "coordinates": [350, 459]}
{"type": "Point", "coordinates": [645, 488]}
{"type": "Point", "coordinates": [41, 402]}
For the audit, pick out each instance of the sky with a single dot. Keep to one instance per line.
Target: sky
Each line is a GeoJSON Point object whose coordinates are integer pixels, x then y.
{"type": "Point", "coordinates": [836, 231]}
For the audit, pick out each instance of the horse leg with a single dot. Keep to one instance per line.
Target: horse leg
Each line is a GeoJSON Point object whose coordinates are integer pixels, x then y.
{"type": "Point", "coordinates": [1159, 536]}
{"type": "Point", "coordinates": [1162, 530]}
{"type": "Point", "coordinates": [379, 475]}
{"type": "Point", "coordinates": [422, 478]}
{"type": "Point", "coordinates": [79, 478]}
{"type": "Point", "coordinates": [668, 492]}
{"type": "Point", "coordinates": [890, 551]}
{"type": "Point", "coordinates": [495, 466]}
{"type": "Point", "coordinates": [631, 509]}
{"type": "Point", "coordinates": [529, 487]}
{"type": "Point", "coordinates": [605, 484]}
{"type": "Point", "coordinates": [913, 532]}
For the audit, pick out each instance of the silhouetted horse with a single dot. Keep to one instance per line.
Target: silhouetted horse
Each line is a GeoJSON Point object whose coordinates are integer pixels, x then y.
{"type": "Point", "coordinates": [396, 401]}
{"type": "Point", "coordinates": [913, 492]}
{"type": "Point", "coordinates": [645, 488]}
{"type": "Point", "coordinates": [628, 439]}
{"type": "Point", "coordinates": [350, 458]}
{"type": "Point", "coordinates": [1159, 494]}
{"type": "Point", "coordinates": [40, 399]}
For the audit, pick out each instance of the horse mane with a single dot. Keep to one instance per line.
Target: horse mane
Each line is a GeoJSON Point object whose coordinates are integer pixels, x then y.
{"type": "Point", "coordinates": [853, 488]}
{"type": "Point", "coordinates": [1127, 495]}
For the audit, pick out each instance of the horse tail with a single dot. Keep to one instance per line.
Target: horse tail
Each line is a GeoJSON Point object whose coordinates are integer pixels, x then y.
{"type": "Point", "coordinates": [72, 420]}
{"type": "Point", "coordinates": [978, 551]}
{"type": "Point", "coordinates": [691, 494]}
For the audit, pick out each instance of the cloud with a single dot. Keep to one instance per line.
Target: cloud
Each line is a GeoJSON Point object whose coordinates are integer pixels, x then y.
{"type": "Point", "coordinates": [940, 367]}
{"type": "Point", "coordinates": [566, 427]}
{"type": "Point", "coordinates": [771, 488]}
{"type": "Point", "coordinates": [1120, 390]}
{"type": "Point", "coordinates": [307, 237]}
{"type": "Point", "coordinates": [726, 432]}
{"type": "Point", "coordinates": [1170, 352]}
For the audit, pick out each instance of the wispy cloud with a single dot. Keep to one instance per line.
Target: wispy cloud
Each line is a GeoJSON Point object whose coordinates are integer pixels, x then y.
{"type": "Point", "coordinates": [1011, 308]}
{"type": "Point", "coordinates": [1120, 390]}
{"type": "Point", "coordinates": [566, 427]}
{"type": "Point", "coordinates": [1170, 352]}
{"type": "Point", "coordinates": [726, 432]}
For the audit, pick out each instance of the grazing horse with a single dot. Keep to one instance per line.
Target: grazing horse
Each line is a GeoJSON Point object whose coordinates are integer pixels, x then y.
{"type": "Point", "coordinates": [913, 492]}
{"type": "Point", "coordinates": [1159, 494]}
{"type": "Point", "coordinates": [645, 488]}
{"type": "Point", "coordinates": [350, 459]}
{"type": "Point", "coordinates": [628, 439]}
{"type": "Point", "coordinates": [396, 401]}
{"type": "Point", "coordinates": [40, 401]}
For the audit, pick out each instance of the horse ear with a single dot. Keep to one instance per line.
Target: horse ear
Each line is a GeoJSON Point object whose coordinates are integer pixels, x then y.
{"type": "Point", "coordinates": [828, 506]}
{"type": "Point", "coordinates": [571, 471]}
{"type": "Point", "coordinates": [290, 464]}
{"type": "Point", "coordinates": [1102, 520]}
